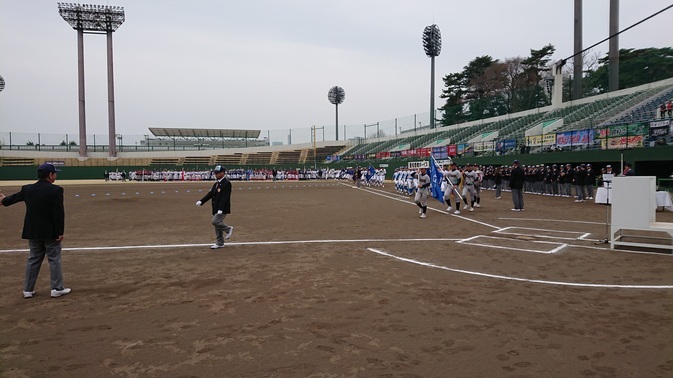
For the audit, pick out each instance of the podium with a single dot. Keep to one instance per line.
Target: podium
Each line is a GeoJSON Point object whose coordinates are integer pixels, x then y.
{"type": "Point", "coordinates": [634, 207]}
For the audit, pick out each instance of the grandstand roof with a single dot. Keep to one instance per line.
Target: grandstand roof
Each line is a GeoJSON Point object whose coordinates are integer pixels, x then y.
{"type": "Point", "coordinates": [203, 133]}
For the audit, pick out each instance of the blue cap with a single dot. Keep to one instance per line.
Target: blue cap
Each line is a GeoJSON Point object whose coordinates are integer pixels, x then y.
{"type": "Point", "coordinates": [47, 168]}
{"type": "Point", "coordinates": [218, 168]}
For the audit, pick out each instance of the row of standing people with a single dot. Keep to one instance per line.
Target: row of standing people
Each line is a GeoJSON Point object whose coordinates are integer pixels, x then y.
{"type": "Point", "coordinates": [458, 184]}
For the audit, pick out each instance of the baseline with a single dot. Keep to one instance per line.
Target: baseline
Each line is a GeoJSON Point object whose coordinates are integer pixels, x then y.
{"type": "Point", "coordinates": [387, 195]}
{"type": "Point", "coordinates": [125, 247]}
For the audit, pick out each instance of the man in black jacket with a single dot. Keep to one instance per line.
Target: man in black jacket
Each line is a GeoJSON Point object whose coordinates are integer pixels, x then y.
{"type": "Point", "coordinates": [220, 194]}
{"type": "Point", "coordinates": [516, 181]}
{"type": "Point", "coordinates": [43, 226]}
{"type": "Point", "coordinates": [580, 180]}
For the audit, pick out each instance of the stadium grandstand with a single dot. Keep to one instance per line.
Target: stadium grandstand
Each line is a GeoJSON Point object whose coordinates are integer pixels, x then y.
{"type": "Point", "coordinates": [593, 129]}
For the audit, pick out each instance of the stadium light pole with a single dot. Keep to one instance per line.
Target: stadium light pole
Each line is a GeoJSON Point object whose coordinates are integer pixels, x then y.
{"type": "Point", "coordinates": [613, 50]}
{"type": "Point", "coordinates": [94, 19]}
{"type": "Point", "coordinates": [432, 43]}
{"type": "Point", "coordinates": [336, 96]}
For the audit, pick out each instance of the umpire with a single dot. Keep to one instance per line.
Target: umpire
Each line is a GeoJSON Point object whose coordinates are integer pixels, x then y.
{"type": "Point", "coordinates": [220, 194]}
{"type": "Point", "coordinates": [43, 226]}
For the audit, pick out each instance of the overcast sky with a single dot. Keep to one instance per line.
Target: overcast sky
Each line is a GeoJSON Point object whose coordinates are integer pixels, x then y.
{"type": "Point", "coordinates": [269, 64]}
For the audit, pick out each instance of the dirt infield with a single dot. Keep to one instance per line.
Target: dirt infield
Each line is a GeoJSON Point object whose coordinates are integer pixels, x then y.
{"type": "Point", "coordinates": [325, 280]}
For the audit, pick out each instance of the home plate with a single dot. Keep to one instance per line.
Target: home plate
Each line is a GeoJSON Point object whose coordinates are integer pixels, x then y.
{"type": "Point", "coordinates": [514, 244]}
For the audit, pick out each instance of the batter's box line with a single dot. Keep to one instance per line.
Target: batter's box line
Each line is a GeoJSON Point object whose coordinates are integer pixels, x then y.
{"type": "Point", "coordinates": [468, 241]}
{"type": "Point", "coordinates": [582, 236]}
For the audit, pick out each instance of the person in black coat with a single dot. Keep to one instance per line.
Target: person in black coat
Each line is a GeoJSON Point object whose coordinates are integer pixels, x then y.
{"type": "Point", "coordinates": [220, 196]}
{"type": "Point", "coordinates": [43, 226]}
{"type": "Point", "coordinates": [580, 179]}
{"type": "Point", "coordinates": [589, 181]}
{"type": "Point", "coordinates": [516, 182]}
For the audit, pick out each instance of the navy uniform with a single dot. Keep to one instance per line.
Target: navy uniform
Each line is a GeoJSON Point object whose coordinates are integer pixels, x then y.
{"type": "Point", "coordinates": [220, 196]}
{"type": "Point", "coordinates": [43, 226]}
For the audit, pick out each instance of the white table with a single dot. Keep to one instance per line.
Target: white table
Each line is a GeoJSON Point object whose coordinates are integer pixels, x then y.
{"type": "Point", "coordinates": [603, 195]}
{"type": "Point", "coordinates": [663, 198]}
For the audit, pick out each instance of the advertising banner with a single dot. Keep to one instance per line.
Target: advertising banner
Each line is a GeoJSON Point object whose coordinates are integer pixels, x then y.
{"type": "Point", "coordinates": [453, 150]}
{"type": "Point", "coordinates": [622, 142]}
{"type": "Point", "coordinates": [534, 140]}
{"type": "Point", "coordinates": [623, 130]}
{"type": "Point", "coordinates": [440, 152]}
{"type": "Point", "coordinates": [484, 146]}
{"type": "Point", "coordinates": [660, 135]}
{"type": "Point", "coordinates": [582, 137]}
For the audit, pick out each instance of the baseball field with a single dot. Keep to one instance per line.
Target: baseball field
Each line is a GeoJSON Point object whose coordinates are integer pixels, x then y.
{"type": "Point", "coordinates": [321, 279]}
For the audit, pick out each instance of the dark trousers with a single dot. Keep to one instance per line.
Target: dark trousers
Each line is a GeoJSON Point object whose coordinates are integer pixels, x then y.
{"type": "Point", "coordinates": [517, 198]}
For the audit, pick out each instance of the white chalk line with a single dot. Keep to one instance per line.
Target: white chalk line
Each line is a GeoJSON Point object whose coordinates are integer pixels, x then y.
{"type": "Point", "coordinates": [158, 246]}
{"type": "Point", "coordinates": [506, 231]}
{"type": "Point", "coordinates": [584, 237]}
{"type": "Point", "coordinates": [518, 279]}
{"type": "Point", "coordinates": [551, 220]}
{"type": "Point", "coordinates": [389, 196]}
{"type": "Point", "coordinates": [469, 241]}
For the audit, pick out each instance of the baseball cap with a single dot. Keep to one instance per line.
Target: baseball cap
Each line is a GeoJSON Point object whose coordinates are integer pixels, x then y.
{"type": "Point", "coordinates": [515, 162]}
{"type": "Point", "coordinates": [608, 166]}
{"type": "Point", "coordinates": [218, 168]}
{"type": "Point", "coordinates": [47, 168]}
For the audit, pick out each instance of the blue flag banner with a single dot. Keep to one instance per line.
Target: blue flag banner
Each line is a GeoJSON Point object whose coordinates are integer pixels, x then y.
{"type": "Point", "coordinates": [371, 172]}
{"type": "Point", "coordinates": [436, 177]}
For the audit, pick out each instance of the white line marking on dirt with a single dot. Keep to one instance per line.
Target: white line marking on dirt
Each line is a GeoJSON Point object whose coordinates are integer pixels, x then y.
{"type": "Point", "coordinates": [551, 220]}
{"type": "Point", "coordinates": [387, 195]}
{"type": "Point", "coordinates": [105, 248]}
{"type": "Point", "coordinates": [469, 241]}
{"type": "Point", "coordinates": [559, 283]}
{"type": "Point", "coordinates": [502, 231]}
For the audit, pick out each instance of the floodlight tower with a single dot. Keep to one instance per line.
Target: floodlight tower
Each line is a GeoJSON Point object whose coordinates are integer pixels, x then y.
{"type": "Point", "coordinates": [336, 96]}
{"type": "Point", "coordinates": [432, 43]}
{"type": "Point", "coordinates": [94, 19]}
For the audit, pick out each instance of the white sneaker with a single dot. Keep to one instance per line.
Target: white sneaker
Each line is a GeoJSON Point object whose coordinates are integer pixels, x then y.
{"type": "Point", "coordinates": [216, 246]}
{"type": "Point", "coordinates": [516, 210]}
{"type": "Point", "coordinates": [449, 209]}
{"type": "Point", "coordinates": [497, 197]}
{"type": "Point", "coordinates": [59, 293]}
{"type": "Point", "coordinates": [578, 201]}
{"type": "Point", "coordinates": [457, 212]}
{"type": "Point", "coordinates": [471, 209]}
{"type": "Point", "coordinates": [231, 229]}
{"type": "Point", "coordinates": [422, 215]}
{"type": "Point", "coordinates": [477, 205]}
{"type": "Point", "coordinates": [28, 294]}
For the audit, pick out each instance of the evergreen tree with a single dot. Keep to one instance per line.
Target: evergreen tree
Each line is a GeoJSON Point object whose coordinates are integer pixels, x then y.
{"type": "Point", "coordinates": [636, 67]}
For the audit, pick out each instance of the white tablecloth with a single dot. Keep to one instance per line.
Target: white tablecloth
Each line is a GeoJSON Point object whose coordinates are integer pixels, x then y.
{"type": "Point", "coordinates": [664, 200]}
{"type": "Point", "coordinates": [604, 195]}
